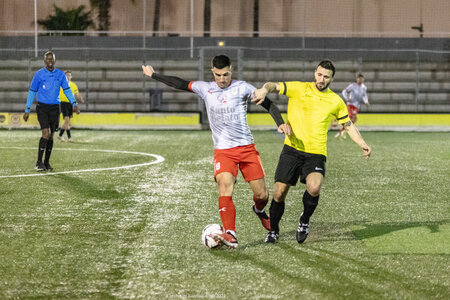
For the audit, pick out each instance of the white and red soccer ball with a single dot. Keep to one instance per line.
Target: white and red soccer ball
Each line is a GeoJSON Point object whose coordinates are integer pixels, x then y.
{"type": "Point", "coordinates": [208, 235]}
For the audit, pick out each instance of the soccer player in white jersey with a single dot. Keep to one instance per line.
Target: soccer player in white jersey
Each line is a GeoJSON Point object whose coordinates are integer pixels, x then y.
{"type": "Point", "coordinates": [226, 104]}
{"type": "Point", "coordinates": [354, 94]}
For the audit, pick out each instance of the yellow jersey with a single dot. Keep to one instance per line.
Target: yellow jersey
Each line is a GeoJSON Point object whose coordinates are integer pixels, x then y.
{"type": "Point", "coordinates": [310, 113]}
{"type": "Point", "coordinates": [74, 89]}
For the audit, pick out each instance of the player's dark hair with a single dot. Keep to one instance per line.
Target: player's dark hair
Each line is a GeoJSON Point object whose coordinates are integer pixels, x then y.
{"type": "Point", "coordinates": [221, 61]}
{"type": "Point", "coordinates": [360, 75]}
{"type": "Point", "coordinates": [50, 53]}
{"type": "Point", "coordinates": [327, 64]}
{"type": "Point", "coordinates": [67, 71]}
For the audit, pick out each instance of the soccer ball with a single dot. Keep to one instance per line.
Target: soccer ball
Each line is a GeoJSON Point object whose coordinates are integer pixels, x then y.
{"type": "Point", "coordinates": [207, 235]}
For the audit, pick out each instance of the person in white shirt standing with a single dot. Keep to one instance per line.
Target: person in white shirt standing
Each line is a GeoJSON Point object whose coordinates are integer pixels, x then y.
{"type": "Point", "coordinates": [354, 94]}
{"type": "Point", "coordinates": [234, 149]}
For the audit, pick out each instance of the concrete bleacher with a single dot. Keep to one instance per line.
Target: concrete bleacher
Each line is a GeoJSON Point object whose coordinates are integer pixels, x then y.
{"type": "Point", "coordinates": [114, 86]}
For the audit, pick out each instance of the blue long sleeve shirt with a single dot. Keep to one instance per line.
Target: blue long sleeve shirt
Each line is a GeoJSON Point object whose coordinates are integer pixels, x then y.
{"type": "Point", "coordinates": [46, 84]}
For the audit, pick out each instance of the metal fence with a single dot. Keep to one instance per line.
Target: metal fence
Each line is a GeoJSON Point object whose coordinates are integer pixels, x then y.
{"type": "Point", "coordinates": [110, 78]}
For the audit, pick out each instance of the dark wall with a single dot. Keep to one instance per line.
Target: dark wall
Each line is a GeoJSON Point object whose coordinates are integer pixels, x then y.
{"type": "Point", "coordinates": [131, 48]}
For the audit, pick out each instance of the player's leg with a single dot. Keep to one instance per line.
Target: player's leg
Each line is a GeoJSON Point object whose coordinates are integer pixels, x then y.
{"type": "Point", "coordinates": [286, 175]}
{"type": "Point", "coordinates": [225, 182]}
{"type": "Point", "coordinates": [260, 199]}
{"type": "Point", "coordinates": [54, 113]}
{"type": "Point", "coordinates": [313, 172]}
{"type": "Point", "coordinates": [311, 195]}
{"type": "Point", "coordinates": [67, 121]}
{"type": "Point", "coordinates": [253, 173]}
{"type": "Point", "coordinates": [43, 118]}
{"type": "Point", "coordinates": [63, 127]}
{"type": "Point", "coordinates": [225, 172]}
{"type": "Point", "coordinates": [277, 210]}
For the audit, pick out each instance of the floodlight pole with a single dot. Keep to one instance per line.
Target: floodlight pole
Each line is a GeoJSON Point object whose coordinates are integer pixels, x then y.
{"type": "Point", "coordinates": [35, 30]}
{"type": "Point", "coordinates": [192, 29]}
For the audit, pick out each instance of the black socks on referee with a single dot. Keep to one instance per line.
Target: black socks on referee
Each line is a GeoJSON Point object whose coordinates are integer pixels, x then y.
{"type": "Point", "coordinates": [48, 150]}
{"type": "Point", "coordinates": [309, 205]}
{"type": "Point", "coordinates": [276, 212]}
{"type": "Point", "coordinates": [41, 149]}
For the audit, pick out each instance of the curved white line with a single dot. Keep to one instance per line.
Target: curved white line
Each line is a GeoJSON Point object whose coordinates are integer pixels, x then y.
{"type": "Point", "coordinates": [159, 159]}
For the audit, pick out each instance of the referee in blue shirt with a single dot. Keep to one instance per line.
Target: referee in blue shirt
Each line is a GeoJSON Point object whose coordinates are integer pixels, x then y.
{"type": "Point", "coordinates": [46, 84]}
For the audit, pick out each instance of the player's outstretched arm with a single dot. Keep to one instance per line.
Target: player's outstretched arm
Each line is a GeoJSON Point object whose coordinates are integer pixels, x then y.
{"type": "Point", "coordinates": [171, 81]}
{"type": "Point", "coordinates": [260, 94]}
{"type": "Point", "coordinates": [355, 135]}
{"type": "Point", "coordinates": [276, 115]}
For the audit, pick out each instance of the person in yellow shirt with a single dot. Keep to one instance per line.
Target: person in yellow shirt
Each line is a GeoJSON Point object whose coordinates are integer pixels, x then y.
{"type": "Point", "coordinates": [312, 107]}
{"type": "Point", "coordinates": [66, 108]}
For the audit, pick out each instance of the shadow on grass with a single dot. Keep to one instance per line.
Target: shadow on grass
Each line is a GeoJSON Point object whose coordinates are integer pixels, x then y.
{"type": "Point", "coordinates": [86, 189]}
{"type": "Point", "coordinates": [375, 230]}
{"type": "Point", "coordinates": [316, 268]}
{"type": "Point", "coordinates": [321, 232]}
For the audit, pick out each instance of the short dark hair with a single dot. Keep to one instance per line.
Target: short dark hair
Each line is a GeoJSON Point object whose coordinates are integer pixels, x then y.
{"type": "Point", "coordinates": [67, 71]}
{"type": "Point", "coordinates": [221, 61]}
{"type": "Point", "coordinates": [327, 64]}
{"type": "Point", "coordinates": [360, 75]}
{"type": "Point", "coordinates": [49, 52]}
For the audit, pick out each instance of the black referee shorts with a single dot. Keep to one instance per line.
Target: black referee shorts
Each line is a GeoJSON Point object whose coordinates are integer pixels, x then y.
{"type": "Point", "coordinates": [48, 116]}
{"type": "Point", "coordinates": [67, 109]}
{"type": "Point", "coordinates": [294, 164]}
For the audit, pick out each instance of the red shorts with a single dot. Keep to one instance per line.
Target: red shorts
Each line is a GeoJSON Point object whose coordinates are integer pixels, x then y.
{"type": "Point", "coordinates": [352, 110]}
{"type": "Point", "coordinates": [244, 157]}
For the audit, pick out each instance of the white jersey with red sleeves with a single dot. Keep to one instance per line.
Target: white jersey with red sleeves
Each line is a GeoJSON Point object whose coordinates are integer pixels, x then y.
{"type": "Point", "coordinates": [227, 111]}
{"type": "Point", "coordinates": [354, 94]}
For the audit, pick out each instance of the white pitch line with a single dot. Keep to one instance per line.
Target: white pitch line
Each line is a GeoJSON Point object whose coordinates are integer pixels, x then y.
{"type": "Point", "coordinates": [159, 159]}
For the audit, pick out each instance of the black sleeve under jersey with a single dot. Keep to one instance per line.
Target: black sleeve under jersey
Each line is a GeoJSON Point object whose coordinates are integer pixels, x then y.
{"type": "Point", "coordinates": [273, 111]}
{"type": "Point", "coordinates": [173, 81]}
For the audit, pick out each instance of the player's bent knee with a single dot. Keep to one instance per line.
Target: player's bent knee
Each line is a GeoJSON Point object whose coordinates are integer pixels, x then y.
{"type": "Point", "coordinates": [261, 195]}
{"type": "Point", "coordinates": [313, 190]}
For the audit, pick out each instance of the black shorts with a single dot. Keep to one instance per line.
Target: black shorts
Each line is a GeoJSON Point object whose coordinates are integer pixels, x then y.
{"type": "Point", "coordinates": [294, 164]}
{"type": "Point", "coordinates": [48, 116]}
{"type": "Point", "coordinates": [67, 109]}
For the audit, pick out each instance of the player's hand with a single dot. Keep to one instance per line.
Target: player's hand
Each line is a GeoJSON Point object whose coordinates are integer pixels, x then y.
{"type": "Point", "coordinates": [285, 128]}
{"type": "Point", "coordinates": [76, 109]}
{"type": "Point", "coordinates": [366, 151]}
{"type": "Point", "coordinates": [148, 70]}
{"type": "Point", "coordinates": [25, 116]}
{"type": "Point", "coordinates": [259, 95]}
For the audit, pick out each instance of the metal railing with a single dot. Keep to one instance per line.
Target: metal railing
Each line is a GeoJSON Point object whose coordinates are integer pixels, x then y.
{"type": "Point", "coordinates": [425, 73]}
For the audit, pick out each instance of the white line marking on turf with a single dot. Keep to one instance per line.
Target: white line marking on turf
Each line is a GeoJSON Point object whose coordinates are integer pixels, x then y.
{"type": "Point", "coordinates": [159, 159]}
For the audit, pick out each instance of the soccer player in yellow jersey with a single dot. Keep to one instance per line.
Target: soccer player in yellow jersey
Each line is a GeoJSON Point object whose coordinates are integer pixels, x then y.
{"type": "Point", "coordinates": [66, 108]}
{"type": "Point", "coordinates": [311, 108]}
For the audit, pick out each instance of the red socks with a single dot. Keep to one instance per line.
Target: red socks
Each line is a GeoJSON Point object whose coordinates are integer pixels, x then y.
{"type": "Point", "coordinates": [227, 212]}
{"type": "Point", "coordinates": [259, 203]}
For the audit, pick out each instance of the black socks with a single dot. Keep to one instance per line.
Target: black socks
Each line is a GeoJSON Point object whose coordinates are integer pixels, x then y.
{"type": "Point", "coordinates": [42, 147]}
{"type": "Point", "coordinates": [309, 205]}
{"type": "Point", "coordinates": [276, 212]}
{"type": "Point", "coordinates": [48, 150]}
